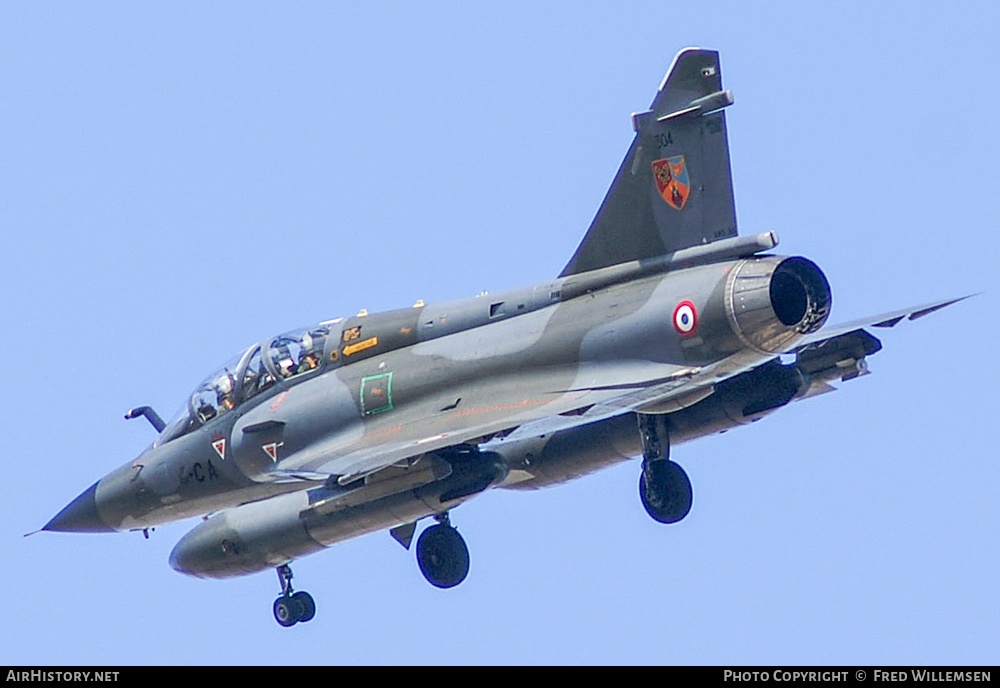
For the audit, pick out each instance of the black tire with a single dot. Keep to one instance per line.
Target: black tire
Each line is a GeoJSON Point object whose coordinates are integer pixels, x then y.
{"type": "Point", "coordinates": [306, 606]}
{"type": "Point", "coordinates": [442, 556]}
{"type": "Point", "coordinates": [286, 611]}
{"type": "Point", "coordinates": [667, 497]}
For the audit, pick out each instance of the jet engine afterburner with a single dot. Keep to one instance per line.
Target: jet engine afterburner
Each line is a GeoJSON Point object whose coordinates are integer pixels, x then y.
{"type": "Point", "coordinates": [770, 301]}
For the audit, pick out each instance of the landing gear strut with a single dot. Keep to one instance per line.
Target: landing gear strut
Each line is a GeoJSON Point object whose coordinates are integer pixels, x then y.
{"type": "Point", "coordinates": [664, 487]}
{"type": "Point", "coordinates": [442, 554]}
{"type": "Point", "coordinates": [290, 608]}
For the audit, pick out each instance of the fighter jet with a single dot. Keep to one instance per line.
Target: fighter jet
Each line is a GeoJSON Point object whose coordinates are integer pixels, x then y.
{"type": "Point", "coordinates": [665, 326]}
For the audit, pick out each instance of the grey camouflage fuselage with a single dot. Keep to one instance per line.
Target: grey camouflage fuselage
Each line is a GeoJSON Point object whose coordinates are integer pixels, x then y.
{"type": "Point", "coordinates": [665, 326]}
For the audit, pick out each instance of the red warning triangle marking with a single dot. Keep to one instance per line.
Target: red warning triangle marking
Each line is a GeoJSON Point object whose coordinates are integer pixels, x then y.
{"type": "Point", "coordinates": [220, 447]}
{"type": "Point", "coordinates": [271, 450]}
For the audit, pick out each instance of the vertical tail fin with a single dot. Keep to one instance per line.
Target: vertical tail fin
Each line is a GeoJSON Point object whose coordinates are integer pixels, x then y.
{"type": "Point", "coordinates": [675, 188]}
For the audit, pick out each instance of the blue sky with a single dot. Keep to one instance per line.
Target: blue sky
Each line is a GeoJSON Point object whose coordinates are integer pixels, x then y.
{"type": "Point", "coordinates": [179, 181]}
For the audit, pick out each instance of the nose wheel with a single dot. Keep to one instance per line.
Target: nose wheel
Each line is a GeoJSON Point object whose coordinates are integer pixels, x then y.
{"type": "Point", "coordinates": [292, 607]}
{"type": "Point", "coordinates": [442, 555]}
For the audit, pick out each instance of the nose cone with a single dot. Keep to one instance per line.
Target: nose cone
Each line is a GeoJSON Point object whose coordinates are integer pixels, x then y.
{"type": "Point", "coordinates": [80, 516]}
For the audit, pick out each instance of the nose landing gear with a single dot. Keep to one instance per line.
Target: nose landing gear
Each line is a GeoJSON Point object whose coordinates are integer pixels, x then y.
{"type": "Point", "coordinates": [290, 608]}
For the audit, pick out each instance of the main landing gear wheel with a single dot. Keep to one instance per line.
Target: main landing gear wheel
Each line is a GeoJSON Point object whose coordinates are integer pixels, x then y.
{"type": "Point", "coordinates": [665, 491]}
{"type": "Point", "coordinates": [290, 608]}
{"type": "Point", "coordinates": [443, 556]}
{"type": "Point", "coordinates": [664, 487]}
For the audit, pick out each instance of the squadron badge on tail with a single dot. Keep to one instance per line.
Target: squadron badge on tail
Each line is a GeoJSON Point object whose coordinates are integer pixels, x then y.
{"type": "Point", "coordinates": [672, 180]}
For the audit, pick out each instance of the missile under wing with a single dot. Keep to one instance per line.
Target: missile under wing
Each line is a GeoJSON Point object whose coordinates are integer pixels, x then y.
{"type": "Point", "coordinates": [666, 325]}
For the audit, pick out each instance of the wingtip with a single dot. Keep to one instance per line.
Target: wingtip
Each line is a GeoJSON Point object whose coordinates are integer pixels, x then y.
{"type": "Point", "coordinates": [938, 306]}
{"type": "Point", "coordinates": [893, 319]}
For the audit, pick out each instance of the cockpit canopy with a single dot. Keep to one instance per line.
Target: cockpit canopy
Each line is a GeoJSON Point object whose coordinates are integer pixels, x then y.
{"type": "Point", "coordinates": [257, 369]}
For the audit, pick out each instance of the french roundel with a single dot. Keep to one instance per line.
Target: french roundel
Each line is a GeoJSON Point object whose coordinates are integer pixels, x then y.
{"type": "Point", "coordinates": [685, 319]}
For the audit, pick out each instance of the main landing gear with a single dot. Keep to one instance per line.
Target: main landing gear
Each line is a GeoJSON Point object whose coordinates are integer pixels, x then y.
{"type": "Point", "coordinates": [290, 608]}
{"type": "Point", "coordinates": [442, 554]}
{"type": "Point", "coordinates": [664, 487]}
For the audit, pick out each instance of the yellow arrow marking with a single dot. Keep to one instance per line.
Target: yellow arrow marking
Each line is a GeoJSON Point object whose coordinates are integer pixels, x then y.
{"type": "Point", "coordinates": [360, 346]}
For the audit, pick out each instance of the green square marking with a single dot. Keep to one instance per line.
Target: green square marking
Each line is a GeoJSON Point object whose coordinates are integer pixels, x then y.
{"type": "Point", "coordinates": [376, 394]}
